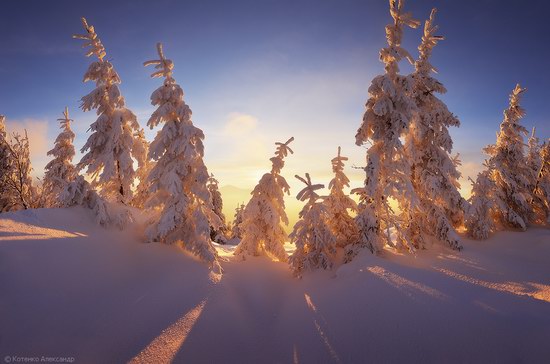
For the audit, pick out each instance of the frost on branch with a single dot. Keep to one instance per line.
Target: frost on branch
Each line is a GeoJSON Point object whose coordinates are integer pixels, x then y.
{"type": "Point", "coordinates": [7, 194]}
{"type": "Point", "coordinates": [338, 204]}
{"type": "Point", "coordinates": [261, 227]}
{"type": "Point", "coordinates": [110, 148]}
{"type": "Point", "coordinates": [60, 170]}
{"type": "Point", "coordinates": [428, 145]}
{"type": "Point", "coordinates": [312, 235]}
{"type": "Point", "coordinates": [179, 197]}
{"type": "Point", "coordinates": [388, 114]}
{"type": "Point", "coordinates": [510, 172]}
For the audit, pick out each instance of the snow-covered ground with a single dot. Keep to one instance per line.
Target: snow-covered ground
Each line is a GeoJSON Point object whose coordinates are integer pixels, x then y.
{"type": "Point", "coordinates": [71, 289]}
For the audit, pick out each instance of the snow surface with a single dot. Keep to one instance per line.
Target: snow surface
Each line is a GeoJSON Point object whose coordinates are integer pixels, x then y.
{"type": "Point", "coordinates": [69, 288]}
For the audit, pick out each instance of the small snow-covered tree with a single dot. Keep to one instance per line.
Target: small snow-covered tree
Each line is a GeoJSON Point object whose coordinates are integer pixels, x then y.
{"type": "Point", "coordinates": [388, 114]}
{"type": "Point", "coordinates": [428, 145]}
{"type": "Point", "coordinates": [338, 203]}
{"type": "Point", "coordinates": [315, 242]}
{"type": "Point", "coordinates": [261, 228]}
{"type": "Point", "coordinates": [540, 199]}
{"type": "Point", "coordinates": [236, 228]}
{"type": "Point", "coordinates": [141, 150]}
{"type": "Point", "coordinates": [112, 144]}
{"type": "Point", "coordinates": [218, 235]}
{"type": "Point", "coordinates": [510, 173]}
{"type": "Point", "coordinates": [79, 192]}
{"type": "Point", "coordinates": [60, 170]}
{"type": "Point", "coordinates": [479, 221]}
{"type": "Point", "coordinates": [7, 197]}
{"type": "Point", "coordinates": [178, 179]}
{"type": "Point", "coordinates": [19, 192]}
{"type": "Point", "coordinates": [368, 227]}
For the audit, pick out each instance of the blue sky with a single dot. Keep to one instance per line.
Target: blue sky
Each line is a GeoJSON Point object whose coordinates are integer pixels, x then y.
{"type": "Point", "coordinates": [260, 71]}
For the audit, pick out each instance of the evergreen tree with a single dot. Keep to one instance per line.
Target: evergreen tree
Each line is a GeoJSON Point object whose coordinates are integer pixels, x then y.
{"type": "Point", "coordinates": [368, 227]}
{"type": "Point", "coordinates": [236, 229]}
{"type": "Point", "coordinates": [389, 111]}
{"type": "Point", "coordinates": [483, 201]}
{"type": "Point", "coordinates": [112, 144]}
{"type": "Point", "coordinates": [178, 179]}
{"type": "Point", "coordinates": [428, 145]}
{"type": "Point", "coordinates": [79, 192]}
{"type": "Point", "coordinates": [540, 199]}
{"type": "Point", "coordinates": [60, 170]}
{"type": "Point", "coordinates": [338, 203]}
{"type": "Point", "coordinates": [262, 216]}
{"type": "Point", "coordinates": [217, 234]}
{"type": "Point", "coordinates": [7, 197]}
{"type": "Point", "coordinates": [141, 149]}
{"type": "Point", "coordinates": [510, 174]}
{"type": "Point", "coordinates": [315, 242]}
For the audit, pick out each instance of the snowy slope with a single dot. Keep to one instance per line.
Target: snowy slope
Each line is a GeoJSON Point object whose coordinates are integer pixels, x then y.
{"type": "Point", "coordinates": [69, 288]}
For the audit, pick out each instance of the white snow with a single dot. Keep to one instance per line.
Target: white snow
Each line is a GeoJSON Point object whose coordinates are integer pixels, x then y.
{"type": "Point", "coordinates": [69, 288]}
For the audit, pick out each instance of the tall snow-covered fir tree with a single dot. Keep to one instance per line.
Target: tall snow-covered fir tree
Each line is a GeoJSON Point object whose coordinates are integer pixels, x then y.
{"type": "Point", "coordinates": [539, 203]}
{"type": "Point", "coordinates": [217, 234]}
{"type": "Point", "coordinates": [261, 228]}
{"type": "Point", "coordinates": [111, 146]}
{"type": "Point", "coordinates": [338, 203]}
{"type": "Point", "coordinates": [184, 211]}
{"type": "Point", "coordinates": [510, 173]}
{"type": "Point", "coordinates": [428, 145]}
{"type": "Point", "coordinates": [60, 170]}
{"type": "Point", "coordinates": [388, 114]}
{"type": "Point", "coordinates": [236, 228]}
{"type": "Point", "coordinates": [313, 236]}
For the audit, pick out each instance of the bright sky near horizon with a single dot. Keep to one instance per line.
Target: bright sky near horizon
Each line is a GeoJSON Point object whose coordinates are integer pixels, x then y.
{"type": "Point", "coordinates": [260, 71]}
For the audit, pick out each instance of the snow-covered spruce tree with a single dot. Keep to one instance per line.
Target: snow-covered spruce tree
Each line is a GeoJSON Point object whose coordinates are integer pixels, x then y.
{"type": "Point", "coordinates": [540, 199]}
{"type": "Point", "coordinates": [236, 228]}
{"type": "Point", "coordinates": [428, 144]}
{"type": "Point", "coordinates": [217, 234]}
{"type": "Point", "coordinates": [60, 170]}
{"type": "Point", "coordinates": [338, 203]}
{"type": "Point", "coordinates": [389, 111]}
{"type": "Point", "coordinates": [7, 197]}
{"type": "Point", "coordinates": [112, 144]}
{"type": "Point", "coordinates": [479, 221]}
{"type": "Point", "coordinates": [178, 179]}
{"type": "Point", "coordinates": [141, 150]}
{"type": "Point", "coordinates": [312, 234]}
{"type": "Point", "coordinates": [368, 227]}
{"type": "Point", "coordinates": [261, 228]}
{"type": "Point", "coordinates": [539, 205]}
{"type": "Point", "coordinates": [510, 172]}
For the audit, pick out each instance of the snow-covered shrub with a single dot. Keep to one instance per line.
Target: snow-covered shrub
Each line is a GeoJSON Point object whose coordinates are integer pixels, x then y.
{"type": "Point", "coordinates": [236, 228]}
